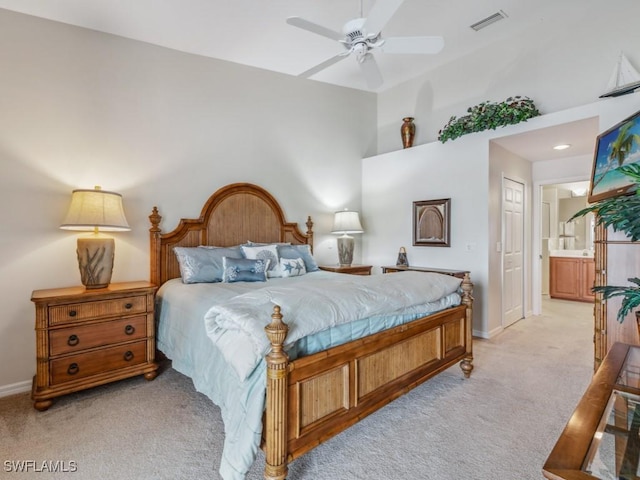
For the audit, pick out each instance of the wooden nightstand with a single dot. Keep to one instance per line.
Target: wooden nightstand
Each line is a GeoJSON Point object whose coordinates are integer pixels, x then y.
{"type": "Point", "coordinates": [352, 269]}
{"type": "Point", "coordinates": [453, 273]}
{"type": "Point", "coordinates": [86, 338]}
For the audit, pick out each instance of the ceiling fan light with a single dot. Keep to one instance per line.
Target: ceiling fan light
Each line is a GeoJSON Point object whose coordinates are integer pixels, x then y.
{"type": "Point", "coordinates": [360, 49]}
{"type": "Point", "coordinates": [485, 22]}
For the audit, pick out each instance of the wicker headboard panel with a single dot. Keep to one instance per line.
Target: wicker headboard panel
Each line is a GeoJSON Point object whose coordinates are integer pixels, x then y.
{"type": "Point", "coordinates": [233, 215]}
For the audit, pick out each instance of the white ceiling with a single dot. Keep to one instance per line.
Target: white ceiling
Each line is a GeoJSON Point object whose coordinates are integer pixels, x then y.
{"type": "Point", "coordinates": [536, 145]}
{"type": "Point", "coordinates": [254, 32]}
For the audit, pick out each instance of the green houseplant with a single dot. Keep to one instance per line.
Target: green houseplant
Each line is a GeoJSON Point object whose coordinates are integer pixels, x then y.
{"type": "Point", "coordinates": [622, 213]}
{"type": "Point", "coordinates": [489, 116]}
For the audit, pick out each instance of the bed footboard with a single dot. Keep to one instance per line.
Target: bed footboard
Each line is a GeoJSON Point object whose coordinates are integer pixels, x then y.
{"type": "Point", "coordinates": [311, 399]}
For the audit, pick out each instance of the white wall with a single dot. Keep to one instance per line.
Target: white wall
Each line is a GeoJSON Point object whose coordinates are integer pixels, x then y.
{"type": "Point", "coordinates": [80, 108]}
{"type": "Point", "coordinates": [392, 182]}
{"type": "Point", "coordinates": [569, 66]}
{"type": "Point", "coordinates": [469, 170]}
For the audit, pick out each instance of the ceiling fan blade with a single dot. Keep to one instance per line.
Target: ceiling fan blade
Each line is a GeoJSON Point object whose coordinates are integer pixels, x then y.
{"type": "Point", "coordinates": [420, 45]}
{"type": "Point", "coordinates": [315, 28]}
{"type": "Point", "coordinates": [371, 72]}
{"type": "Point", "coordinates": [321, 66]}
{"type": "Point", "coordinates": [380, 14]}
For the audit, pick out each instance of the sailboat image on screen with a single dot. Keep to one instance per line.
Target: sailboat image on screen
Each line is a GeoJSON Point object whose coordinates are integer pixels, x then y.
{"type": "Point", "coordinates": [625, 79]}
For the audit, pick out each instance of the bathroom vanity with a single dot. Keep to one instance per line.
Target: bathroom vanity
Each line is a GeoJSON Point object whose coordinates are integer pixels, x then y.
{"type": "Point", "coordinates": [571, 275]}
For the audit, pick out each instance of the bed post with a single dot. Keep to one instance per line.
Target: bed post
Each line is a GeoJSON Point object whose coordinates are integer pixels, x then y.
{"type": "Point", "coordinates": [276, 411]}
{"type": "Point", "coordinates": [310, 232]}
{"type": "Point", "coordinates": [467, 289]}
{"type": "Point", "coordinates": [154, 251]}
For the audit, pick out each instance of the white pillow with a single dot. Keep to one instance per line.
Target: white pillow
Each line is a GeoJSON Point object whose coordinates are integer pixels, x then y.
{"type": "Point", "coordinates": [264, 252]}
{"type": "Point", "coordinates": [292, 267]}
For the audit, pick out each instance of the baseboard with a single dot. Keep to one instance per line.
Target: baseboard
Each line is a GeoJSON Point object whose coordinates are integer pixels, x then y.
{"type": "Point", "coordinates": [480, 334]}
{"type": "Point", "coordinates": [14, 388]}
{"type": "Point", "coordinates": [487, 335]}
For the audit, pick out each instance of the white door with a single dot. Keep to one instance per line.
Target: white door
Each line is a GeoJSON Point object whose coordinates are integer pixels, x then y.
{"type": "Point", "coordinates": [512, 251]}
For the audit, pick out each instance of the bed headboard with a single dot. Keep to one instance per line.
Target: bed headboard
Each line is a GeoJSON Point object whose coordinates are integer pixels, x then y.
{"type": "Point", "coordinates": [233, 215]}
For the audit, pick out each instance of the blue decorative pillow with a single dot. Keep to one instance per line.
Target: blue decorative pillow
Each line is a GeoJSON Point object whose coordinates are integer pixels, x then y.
{"type": "Point", "coordinates": [292, 267]}
{"type": "Point", "coordinates": [263, 252]}
{"type": "Point", "coordinates": [203, 264]}
{"type": "Point", "coordinates": [299, 251]}
{"type": "Point", "coordinates": [244, 270]}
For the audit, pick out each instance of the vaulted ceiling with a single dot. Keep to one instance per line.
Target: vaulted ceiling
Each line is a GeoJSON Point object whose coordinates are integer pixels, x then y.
{"type": "Point", "coordinates": [255, 32]}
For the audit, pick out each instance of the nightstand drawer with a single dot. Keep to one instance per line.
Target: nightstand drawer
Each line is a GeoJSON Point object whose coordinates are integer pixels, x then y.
{"type": "Point", "coordinates": [87, 364]}
{"type": "Point", "coordinates": [82, 337]}
{"type": "Point", "coordinates": [76, 312]}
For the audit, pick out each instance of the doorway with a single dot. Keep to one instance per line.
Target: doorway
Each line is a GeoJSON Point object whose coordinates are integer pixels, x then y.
{"type": "Point", "coordinates": [559, 238]}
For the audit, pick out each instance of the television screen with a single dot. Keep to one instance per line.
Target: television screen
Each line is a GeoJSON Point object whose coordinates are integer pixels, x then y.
{"type": "Point", "coordinates": [620, 145]}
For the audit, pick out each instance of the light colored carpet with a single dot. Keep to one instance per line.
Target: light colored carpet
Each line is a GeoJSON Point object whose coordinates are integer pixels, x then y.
{"type": "Point", "coordinates": [499, 424]}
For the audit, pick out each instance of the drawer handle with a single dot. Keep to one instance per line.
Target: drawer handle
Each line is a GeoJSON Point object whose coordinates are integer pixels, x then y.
{"type": "Point", "coordinates": [129, 330]}
{"type": "Point", "coordinates": [73, 369]}
{"type": "Point", "coordinates": [128, 356]}
{"type": "Point", "coordinates": [128, 306]}
{"type": "Point", "coordinates": [73, 340]}
{"type": "Point", "coordinates": [72, 313]}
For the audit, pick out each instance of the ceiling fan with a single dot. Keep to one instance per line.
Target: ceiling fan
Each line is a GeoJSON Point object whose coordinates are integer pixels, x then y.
{"type": "Point", "coordinates": [361, 36]}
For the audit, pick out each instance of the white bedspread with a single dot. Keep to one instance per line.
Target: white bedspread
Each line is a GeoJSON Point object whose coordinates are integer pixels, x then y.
{"type": "Point", "coordinates": [314, 305]}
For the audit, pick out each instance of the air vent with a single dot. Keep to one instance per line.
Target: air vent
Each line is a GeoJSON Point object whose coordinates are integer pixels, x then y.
{"type": "Point", "coordinates": [499, 15]}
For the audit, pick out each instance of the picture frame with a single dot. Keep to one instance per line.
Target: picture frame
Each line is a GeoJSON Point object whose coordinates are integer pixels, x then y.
{"type": "Point", "coordinates": [617, 146]}
{"type": "Point", "coordinates": [431, 223]}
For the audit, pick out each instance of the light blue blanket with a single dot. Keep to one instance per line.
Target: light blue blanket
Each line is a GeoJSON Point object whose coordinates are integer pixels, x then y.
{"type": "Point", "coordinates": [182, 337]}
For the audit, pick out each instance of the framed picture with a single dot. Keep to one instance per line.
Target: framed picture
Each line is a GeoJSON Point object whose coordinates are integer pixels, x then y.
{"type": "Point", "coordinates": [618, 146]}
{"type": "Point", "coordinates": [431, 220]}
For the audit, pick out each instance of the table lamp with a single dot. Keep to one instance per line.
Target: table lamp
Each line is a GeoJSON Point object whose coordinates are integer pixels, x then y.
{"type": "Point", "coordinates": [95, 210]}
{"type": "Point", "coordinates": [346, 222]}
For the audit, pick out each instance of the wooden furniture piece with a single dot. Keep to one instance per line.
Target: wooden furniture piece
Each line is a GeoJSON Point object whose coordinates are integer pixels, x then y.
{"type": "Point", "coordinates": [351, 270]}
{"type": "Point", "coordinates": [602, 433]}
{"type": "Point", "coordinates": [86, 338]}
{"type": "Point", "coordinates": [313, 398]}
{"type": "Point", "coordinates": [616, 259]}
{"type": "Point", "coordinates": [571, 278]}
{"type": "Point", "coordinates": [395, 268]}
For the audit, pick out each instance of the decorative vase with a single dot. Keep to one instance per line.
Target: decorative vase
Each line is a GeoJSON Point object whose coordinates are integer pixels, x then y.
{"type": "Point", "coordinates": [408, 131]}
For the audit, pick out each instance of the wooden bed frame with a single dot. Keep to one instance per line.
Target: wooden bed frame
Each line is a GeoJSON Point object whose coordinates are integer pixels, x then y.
{"type": "Point", "coordinates": [313, 398]}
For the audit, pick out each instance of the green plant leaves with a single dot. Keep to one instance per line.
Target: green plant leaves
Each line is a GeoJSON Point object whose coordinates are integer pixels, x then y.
{"type": "Point", "coordinates": [489, 116]}
{"type": "Point", "coordinates": [622, 213]}
{"type": "Point", "coordinates": [630, 294]}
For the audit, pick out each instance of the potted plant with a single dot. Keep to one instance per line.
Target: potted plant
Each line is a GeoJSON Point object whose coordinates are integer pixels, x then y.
{"type": "Point", "coordinates": [489, 116]}
{"type": "Point", "coordinates": [622, 213]}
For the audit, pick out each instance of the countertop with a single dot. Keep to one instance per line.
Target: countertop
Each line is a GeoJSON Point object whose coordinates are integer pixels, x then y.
{"type": "Point", "coordinates": [571, 253]}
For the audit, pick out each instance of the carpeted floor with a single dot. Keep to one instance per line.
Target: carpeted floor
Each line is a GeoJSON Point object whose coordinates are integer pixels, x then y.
{"type": "Point", "coordinates": [499, 424]}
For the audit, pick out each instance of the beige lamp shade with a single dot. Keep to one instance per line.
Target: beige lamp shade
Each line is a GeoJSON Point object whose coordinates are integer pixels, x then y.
{"type": "Point", "coordinates": [345, 222]}
{"type": "Point", "coordinates": [91, 209]}
{"type": "Point", "coordinates": [95, 210]}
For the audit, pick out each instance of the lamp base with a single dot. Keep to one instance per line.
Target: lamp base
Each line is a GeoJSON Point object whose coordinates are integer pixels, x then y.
{"type": "Point", "coordinates": [95, 260]}
{"type": "Point", "coordinates": [345, 250]}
